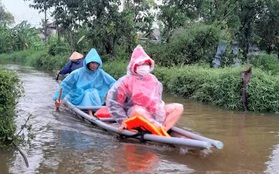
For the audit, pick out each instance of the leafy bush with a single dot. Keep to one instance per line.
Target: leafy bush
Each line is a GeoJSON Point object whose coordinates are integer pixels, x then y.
{"type": "Point", "coordinates": [18, 57]}
{"type": "Point", "coordinates": [10, 90]}
{"type": "Point", "coordinates": [222, 87]}
{"type": "Point", "coordinates": [266, 62]}
{"type": "Point", "coordinates": [189, 45]}
{"type": "Point", "coordinates": [39, 59]}
{"type": "Point", "coordinates": [20, 37]}
{"type": "Point", "coordinates": [58, 48]}
{"type": "Point", "coordinates": [116, 68]}
{"type": "Point", "coordinates": [263, 92]}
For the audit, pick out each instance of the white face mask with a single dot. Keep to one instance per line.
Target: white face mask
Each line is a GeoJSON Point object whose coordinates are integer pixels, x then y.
{"type": "Point", "coordinates": [143, 70]}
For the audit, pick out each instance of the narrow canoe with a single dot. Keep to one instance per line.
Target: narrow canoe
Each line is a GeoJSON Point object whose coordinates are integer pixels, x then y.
{"type": "Point", "coordinates": [193, 140]}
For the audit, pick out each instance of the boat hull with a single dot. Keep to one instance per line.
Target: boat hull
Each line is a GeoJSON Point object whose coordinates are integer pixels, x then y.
{"type": "Point", "coordinates": [178, 135]}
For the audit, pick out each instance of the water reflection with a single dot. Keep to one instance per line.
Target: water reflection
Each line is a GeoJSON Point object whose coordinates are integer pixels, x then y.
{"type": "Point", "coordinates": [134, 159]}
{"type": "Point", "coordinates": [5, 157]}
{"type": "Point", "coordinates": [137, 158]}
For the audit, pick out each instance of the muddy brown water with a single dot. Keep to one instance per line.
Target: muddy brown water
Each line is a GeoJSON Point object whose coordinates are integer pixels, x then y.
{"type": "Point", "coordinates": [63, 143]}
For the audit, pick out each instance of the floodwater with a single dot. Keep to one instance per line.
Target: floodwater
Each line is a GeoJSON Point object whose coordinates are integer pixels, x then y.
{"type": "Point", "coordinates": [63, 143]}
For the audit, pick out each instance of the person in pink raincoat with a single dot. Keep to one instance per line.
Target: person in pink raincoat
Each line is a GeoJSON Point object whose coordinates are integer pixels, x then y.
{"type": "Point", "coordinates": [140, 92]}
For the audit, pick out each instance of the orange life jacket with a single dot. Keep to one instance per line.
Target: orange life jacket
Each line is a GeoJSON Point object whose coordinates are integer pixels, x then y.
{"type": "Point", "coordinates": [138, 121]}
{"type": "Point", "coordinates": [134, 122]}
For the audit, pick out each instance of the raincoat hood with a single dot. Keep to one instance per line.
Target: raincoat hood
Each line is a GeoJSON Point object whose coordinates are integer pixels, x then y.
{"type": "Point", "coordinates": [92, 56]}
{"type": "Point", "coordinates": [139, 57]}
{"type": "Point", "coordinates": [136, 90]}
{"type": "Point", "coordinates": [85, 87]}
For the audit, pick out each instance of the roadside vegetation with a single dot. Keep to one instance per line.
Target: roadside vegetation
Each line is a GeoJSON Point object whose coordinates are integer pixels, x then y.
{"type": "Point", "coordinates": [188, 55]}
{"type": "Point", "coordinates": [10, 90]}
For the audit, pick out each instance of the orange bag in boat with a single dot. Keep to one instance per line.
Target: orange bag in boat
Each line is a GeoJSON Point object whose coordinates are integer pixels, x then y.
{"type": "Point", "coordinates": [140, 122]}
{"type": "Point", "coordinates": [103, 112]}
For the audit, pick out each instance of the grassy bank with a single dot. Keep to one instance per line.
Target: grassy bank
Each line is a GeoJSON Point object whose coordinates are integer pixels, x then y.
{"type": "Point", "coordinates": [220, 87]}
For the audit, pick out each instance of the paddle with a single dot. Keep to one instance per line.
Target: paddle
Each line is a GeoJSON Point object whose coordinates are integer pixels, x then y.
{"type": "Point", "coordinates": [57, 77]}
{"type": "Point", "coordinates": [59, 98]}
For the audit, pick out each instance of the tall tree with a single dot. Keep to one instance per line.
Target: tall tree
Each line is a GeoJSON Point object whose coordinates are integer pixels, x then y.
{"type": "Point", "coordinates": [106, 24]}
{"type": "Point", "coordinates": [267, 27]}
{"type": "Point", "coordinates": [6, 17]}
{"type": "Point", "coordinates": [43, 6]}
{"type": "Point", "coordinates": [239, 16]}
{"type": "Point", "coordinates": [24, 36]}
{"type": "Point", "coordinates": [248, 12]}
{"type": "Point", "coordinates": [143, 13]}
{"type": "Point", "coordinates": [176, 13]}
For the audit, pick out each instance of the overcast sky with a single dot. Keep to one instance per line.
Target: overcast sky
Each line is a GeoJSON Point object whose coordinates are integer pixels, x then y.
{"type": "Point", "coordinates": [21, 11]}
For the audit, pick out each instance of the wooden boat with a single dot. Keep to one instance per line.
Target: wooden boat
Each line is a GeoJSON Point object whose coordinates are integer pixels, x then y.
{"type": "Point", "coordinates": [177, 138]}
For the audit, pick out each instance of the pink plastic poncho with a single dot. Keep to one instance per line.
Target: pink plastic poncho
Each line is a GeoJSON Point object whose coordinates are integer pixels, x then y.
{"type": "Point", "coordinates": [133, 90]}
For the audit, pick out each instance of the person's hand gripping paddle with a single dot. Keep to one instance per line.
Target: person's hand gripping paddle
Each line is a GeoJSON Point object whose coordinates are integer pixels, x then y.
{"type": "Point", "coordinates": [58, 101]}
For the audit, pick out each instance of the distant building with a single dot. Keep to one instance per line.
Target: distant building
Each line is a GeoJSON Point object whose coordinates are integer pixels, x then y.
{"type": "Point", "coordinates": [153, 36]}
{"type": "Point", "coordinates": [221, 51]}
{"type": "Point", "coordinates": [253, 50]}
{"type": "Point", "coordinates": [51, 29]}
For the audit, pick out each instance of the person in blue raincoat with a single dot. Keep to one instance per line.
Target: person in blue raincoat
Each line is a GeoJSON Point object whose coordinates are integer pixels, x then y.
{"type": "Point", "coordinates": [86, 86]}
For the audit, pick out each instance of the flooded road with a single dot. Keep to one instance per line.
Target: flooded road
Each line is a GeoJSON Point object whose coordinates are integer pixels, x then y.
{"type": "Point", "coordinates": [63, 143]}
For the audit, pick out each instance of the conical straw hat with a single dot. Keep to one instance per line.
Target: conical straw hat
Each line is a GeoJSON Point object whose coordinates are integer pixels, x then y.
{"type": "Point", "coordinates": [76, 56]}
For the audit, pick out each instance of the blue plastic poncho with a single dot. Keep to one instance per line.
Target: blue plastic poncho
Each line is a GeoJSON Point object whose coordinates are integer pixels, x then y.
{"type": "Point", "coordinates": [85, 87]}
